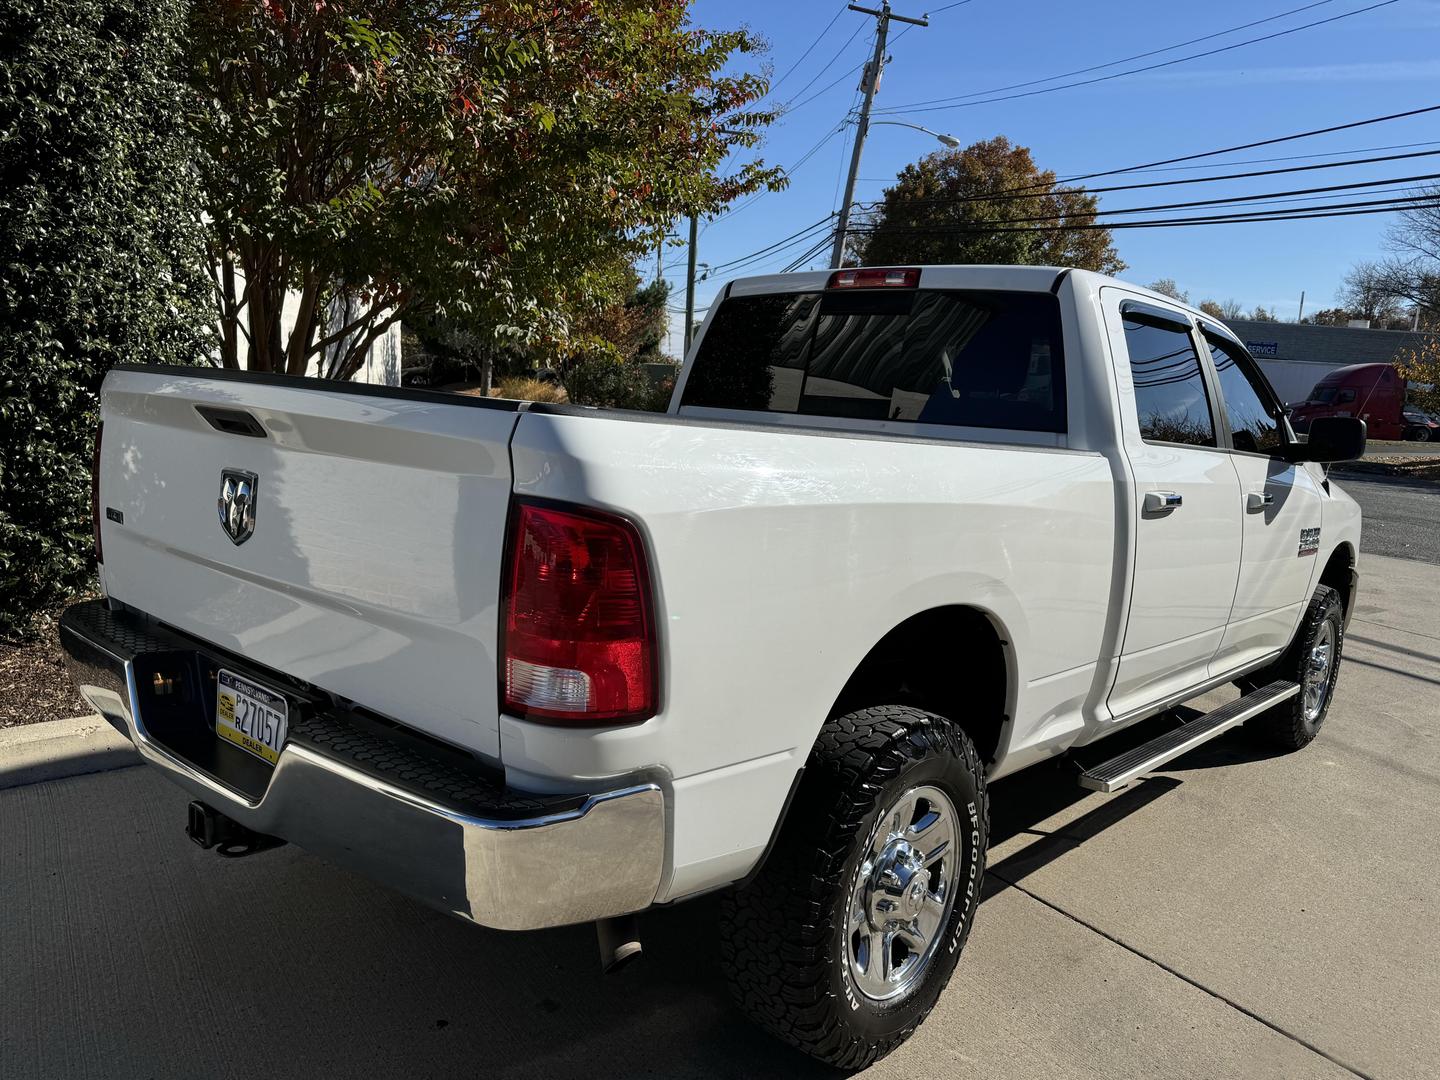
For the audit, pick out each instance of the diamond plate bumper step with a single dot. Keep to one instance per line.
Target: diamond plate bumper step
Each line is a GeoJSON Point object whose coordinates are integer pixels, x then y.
{"type": "Point", "coordinates": [1114, 774]}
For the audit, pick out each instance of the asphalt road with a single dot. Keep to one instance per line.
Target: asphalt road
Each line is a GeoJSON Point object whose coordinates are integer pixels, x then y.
{"type": "Point", "coordinates": [1402, 515]}
{"type": "Point", "coordinates": [1240, 914]}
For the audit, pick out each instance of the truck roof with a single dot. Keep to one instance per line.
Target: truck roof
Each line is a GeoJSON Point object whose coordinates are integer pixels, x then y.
{"type": "Point", "coordinates": [960, 276]}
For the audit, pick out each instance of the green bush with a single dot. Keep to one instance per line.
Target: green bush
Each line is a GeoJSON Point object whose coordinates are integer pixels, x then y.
{"type": "Point", "coordinates": [609, 383]}
{"type": "Point", "coordinates": [99, 260]}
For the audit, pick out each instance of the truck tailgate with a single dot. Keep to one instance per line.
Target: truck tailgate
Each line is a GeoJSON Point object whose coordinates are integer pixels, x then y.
{"type": "Point", "coordinates": [373, 567]}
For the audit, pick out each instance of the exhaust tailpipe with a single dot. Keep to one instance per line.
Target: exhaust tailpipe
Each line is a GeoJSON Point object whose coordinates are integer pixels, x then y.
{"type": "Point", "coordinates": [619, 940]}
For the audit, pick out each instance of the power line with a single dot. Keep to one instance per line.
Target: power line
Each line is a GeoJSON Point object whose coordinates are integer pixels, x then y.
{"type": "Point", "coordinates": [1264, 160]}
{"type": "Point", "coordinates": [915, 108]}
{"type": "Point", "coordinates": [926, 228]}
{"type": "Point", "coordinates": [1357, 209]}
{"type": "Point", "coordinates": [857, 68]}
{"type": "Point", "coordinates": [1224, 150]}
{"type": "Point", "coordinates": [1122, 60]}
{"type": "Point", "coordinates": [793, 238]}
{"type": "Point", "coordinates": [795, 264]}
{"type": "Point", "coordinates": [818, 38]}
{"type": "Point", "coordinates": [1386, 206]}
{"type": "Point", "coordinates": [788, 171]}
{"type": "Point", "coordinates": [937, 200]}
{"type": "Point", "coordinates": [789, 106]}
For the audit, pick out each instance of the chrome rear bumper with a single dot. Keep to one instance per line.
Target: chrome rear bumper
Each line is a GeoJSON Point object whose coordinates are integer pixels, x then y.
{"type": "Point", "coordinates": [423, 820]}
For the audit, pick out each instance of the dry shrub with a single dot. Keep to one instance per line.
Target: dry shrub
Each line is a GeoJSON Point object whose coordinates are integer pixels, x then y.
{"type": "Point", "coordinates": [525, 389]}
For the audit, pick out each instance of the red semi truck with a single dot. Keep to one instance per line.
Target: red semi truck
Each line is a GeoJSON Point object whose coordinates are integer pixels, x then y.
{"type": "Point", "coordinates": [1373, 392]}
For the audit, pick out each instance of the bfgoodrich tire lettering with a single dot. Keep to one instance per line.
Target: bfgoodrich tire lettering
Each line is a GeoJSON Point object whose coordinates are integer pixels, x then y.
{"type": "Point", "coordinates": [786, 937]}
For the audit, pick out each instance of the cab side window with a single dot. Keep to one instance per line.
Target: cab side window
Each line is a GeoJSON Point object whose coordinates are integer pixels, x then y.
{"type": "Point", "coordinates": [1255, 421]}
{"type": "Point", "coordinates": [1170, 397]}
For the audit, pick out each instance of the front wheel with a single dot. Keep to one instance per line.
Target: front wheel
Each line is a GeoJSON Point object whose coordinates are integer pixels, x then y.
{"type": "Point", "coordinates": [844, 940]}
{"type": "Point", "coordinates": [1313, 661]}
{"type": "Point", "coordinates": [1421, 434]}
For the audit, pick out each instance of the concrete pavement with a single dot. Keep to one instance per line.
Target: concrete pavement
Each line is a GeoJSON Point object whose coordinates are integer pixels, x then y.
{"type": "Point", "coordinates": [1238, 915]}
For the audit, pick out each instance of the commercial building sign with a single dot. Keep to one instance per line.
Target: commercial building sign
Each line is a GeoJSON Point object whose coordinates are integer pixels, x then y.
{"type": "Point", "coordinates": [1263, 348]}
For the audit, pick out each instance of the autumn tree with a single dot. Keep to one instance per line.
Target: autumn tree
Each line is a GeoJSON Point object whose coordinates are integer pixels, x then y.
{"type": "Point", "coordinates": [489, 163]}
{"type": "Point", "coordinates": [987, 203]}
{"type": "Point", "coordinates": [1212, 308]}
{"type": "Point", "coordinates": [1262, 314]}
{"type": "Point", "coordinates": [1330, 317]}
{"type": "Point", "coordinates": [1167, 287]}
{"type": "Point", "coordinates": [1420, 366]}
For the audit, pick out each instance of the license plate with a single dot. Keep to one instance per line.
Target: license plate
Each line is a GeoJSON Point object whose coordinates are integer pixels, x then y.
{"type": "Point", "coordinates": [250, 716]}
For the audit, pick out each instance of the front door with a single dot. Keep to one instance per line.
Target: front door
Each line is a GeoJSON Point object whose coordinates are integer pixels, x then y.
{"type": "Point", "coordinates": [1280, 504]}
{"type": "Point", "coordinates": [1186, 515]}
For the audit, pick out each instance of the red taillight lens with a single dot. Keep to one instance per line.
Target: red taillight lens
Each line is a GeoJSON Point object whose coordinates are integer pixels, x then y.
{"type": "Point", "coordinates": [873, 279]}
{"type": "Point", "coordinates": [95, 492]}
{"type": "Point", "coordinates": [579, 635]}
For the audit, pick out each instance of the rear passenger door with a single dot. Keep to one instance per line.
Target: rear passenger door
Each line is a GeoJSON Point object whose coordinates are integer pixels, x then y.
{"type": "Point", "coordinates": [1186, 512]}
{"type": "Point", "coordinates": [1281, 506]}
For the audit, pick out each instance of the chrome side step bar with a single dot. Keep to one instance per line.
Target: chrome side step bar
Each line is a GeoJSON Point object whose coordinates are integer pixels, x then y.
{"type": "Point", "coordinates": [1114, 774]}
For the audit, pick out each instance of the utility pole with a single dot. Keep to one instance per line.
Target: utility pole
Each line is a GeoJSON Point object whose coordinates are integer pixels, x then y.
{"type": "Point", "coordinates": [1301, 316]}
{"type": "Point", "coordinates": [870, 79]}
{"type": "Point", "coordinates": [690, 286]}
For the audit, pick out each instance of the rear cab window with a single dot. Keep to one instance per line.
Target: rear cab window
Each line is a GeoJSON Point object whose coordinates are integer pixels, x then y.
{"type": "Point", "coordinates": [961, 358]}
{"type": "Point", "coordinates": [1171, 402]}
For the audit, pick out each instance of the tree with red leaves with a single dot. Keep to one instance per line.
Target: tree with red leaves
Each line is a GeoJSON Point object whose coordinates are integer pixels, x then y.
{"type": "Point", "coordinates": [497, 164]}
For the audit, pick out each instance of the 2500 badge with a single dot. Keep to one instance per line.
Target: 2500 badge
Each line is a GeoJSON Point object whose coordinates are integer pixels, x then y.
{"type": "Point", "coordinates": [1309, 541]}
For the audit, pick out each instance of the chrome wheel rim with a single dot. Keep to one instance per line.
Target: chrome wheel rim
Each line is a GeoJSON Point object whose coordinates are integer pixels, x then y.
{"type": "Point", "coordinates": [903, 894]}
{"type": "Point", "coordinates": [1317, 672]}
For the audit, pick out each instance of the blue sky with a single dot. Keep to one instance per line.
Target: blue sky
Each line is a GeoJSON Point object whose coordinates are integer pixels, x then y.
{"type": "Point", "coordinates": [1373, 63]}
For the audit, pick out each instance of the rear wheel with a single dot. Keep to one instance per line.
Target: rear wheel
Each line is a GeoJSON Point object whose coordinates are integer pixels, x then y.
{"type": "Point", "coordinates": [844, 940]}
{"type": "Point", "coordinates": [1420, 434]}
{"type": "Point", "coordinates": [1313, 661]}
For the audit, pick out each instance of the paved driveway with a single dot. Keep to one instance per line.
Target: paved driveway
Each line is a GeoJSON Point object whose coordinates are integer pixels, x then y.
{"type": "Point", "coordinates": [1239, 915]}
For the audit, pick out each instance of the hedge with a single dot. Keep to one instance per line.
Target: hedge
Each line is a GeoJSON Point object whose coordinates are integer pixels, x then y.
{"type": "Point", "coordinates": [100, 260]}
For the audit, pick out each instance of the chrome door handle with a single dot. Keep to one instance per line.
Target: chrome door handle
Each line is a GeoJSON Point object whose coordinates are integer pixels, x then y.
{"type": "Point", "coordinates": [1162, 502]}
{"type": "Point", "coordinates": [1258, 500]}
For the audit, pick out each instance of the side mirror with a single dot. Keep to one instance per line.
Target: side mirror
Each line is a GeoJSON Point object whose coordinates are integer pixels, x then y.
{"type": "Point", "coordinates": [1332, 438]}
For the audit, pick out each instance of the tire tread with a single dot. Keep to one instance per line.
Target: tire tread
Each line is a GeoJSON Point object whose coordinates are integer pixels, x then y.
{"type": "Point", "coordinates": [776, 933]}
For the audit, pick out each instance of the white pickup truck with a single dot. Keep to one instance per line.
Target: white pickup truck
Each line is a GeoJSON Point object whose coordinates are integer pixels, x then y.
{"type": "Point", "coordinates": [901, 532]}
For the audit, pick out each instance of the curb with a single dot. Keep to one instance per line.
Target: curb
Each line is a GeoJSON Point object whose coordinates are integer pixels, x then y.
{"type": "Point", "coordinates": [56, 749]}
{"type": "Point", "coordinates": [1428, 469]}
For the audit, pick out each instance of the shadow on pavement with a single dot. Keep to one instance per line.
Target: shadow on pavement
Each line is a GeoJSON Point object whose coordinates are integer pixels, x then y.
{"type": "Point", "coordinates": [134, 953]}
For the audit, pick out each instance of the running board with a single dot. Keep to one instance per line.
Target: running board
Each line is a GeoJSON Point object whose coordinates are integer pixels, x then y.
{"type": "Point", "coordinates": [1114, 774]}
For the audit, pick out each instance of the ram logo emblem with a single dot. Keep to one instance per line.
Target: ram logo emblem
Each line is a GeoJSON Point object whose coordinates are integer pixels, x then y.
{"type": "Point", "coordinates": [237, 503]}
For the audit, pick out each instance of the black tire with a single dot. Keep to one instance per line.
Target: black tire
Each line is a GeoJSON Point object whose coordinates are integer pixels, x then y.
{"type": "Point", "coordinates": [1422, 434]}
{"type": "Point", "coordinates": [785, 937]}
{"type": "Point", "coordinates": [1292, 724]}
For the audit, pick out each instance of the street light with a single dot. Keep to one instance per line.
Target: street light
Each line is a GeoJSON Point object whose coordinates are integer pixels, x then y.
{"type": "Point", "coordinates": [945, 140]}
{"type": "Point", "coordinates": [837, 256]}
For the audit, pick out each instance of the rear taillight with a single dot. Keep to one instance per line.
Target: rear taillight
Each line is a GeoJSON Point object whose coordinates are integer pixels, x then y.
{"type": "Point", "coordinates": [578, 631]}
{"type": "Point", "coordinates": [95, 492]}
{"type": "Point", "coordinates": [872, 279]}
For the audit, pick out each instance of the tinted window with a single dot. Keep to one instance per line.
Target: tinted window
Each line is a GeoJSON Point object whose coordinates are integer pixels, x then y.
{"type": "Point", "coordinates": [1345, 395]}
{"type": "Point", "coordinates": [977, 359]}
{"type": "Point", "coordinates": [1324, 395]}
{"type": "Point", "coordinates": [1170, 395]}
{"type": "Point", "coordinates": [1254, 425]}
